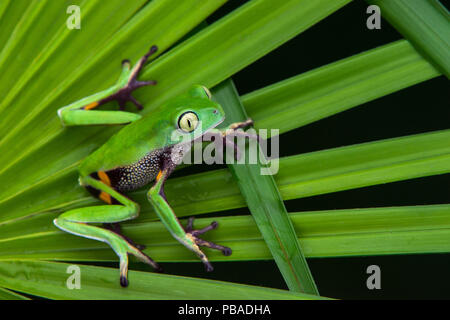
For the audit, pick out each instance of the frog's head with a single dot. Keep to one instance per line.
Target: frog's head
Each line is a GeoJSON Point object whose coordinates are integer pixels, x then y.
{"type": "Point", "coordinates": [194, 113]}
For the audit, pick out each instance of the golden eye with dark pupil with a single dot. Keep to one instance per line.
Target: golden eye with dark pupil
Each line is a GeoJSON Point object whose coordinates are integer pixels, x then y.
{"type": "Point", "coordinates": [188, 121]}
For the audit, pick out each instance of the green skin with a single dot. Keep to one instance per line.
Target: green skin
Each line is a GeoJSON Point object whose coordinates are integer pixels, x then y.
{"type": "Point", "coordinates": [153, 134]}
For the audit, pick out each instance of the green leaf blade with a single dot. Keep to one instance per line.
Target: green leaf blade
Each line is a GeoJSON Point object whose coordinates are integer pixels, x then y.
{"type": "Point", "coordinates": [425, 23]}
{"type": "Point", "coordinates": [337, 87]}
{"type": "Point", "coordinates": [48, 279]}
{"type": "Point", "coordinates": [266, 205]}
{"type": "Point", "coordinates": [327, 233]}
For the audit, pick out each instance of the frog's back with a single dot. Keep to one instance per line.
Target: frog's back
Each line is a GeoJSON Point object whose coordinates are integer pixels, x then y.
{"type": "Point", "coordinates": [128, 147]}
{"type": "Point", "coordinates": [130, 159]}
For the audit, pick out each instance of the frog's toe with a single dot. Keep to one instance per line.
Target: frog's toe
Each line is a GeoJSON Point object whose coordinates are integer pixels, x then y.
{"type": "Point", "coordinates": [123, 281]}
{"type": "Point", "coordinates": [208, 267]}
{"type": "Point", "coordinates": [140, 246]}
{"type": "Point", "coordinates": [145, 258]}
{"type": "Point", "coordinates": [136, 103]}
{"type": "Point", "coordinates": [227, 251]}
{"type": "Point", "coordinates": [190, 227]}
{"type": "Point", "coordinates": [203, 243]}
{"type": "Point", "coordinates": [124, 94]}
{"type": "Point", "coordinates": [242, 124]}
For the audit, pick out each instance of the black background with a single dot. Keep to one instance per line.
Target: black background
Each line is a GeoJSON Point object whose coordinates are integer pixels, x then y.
{"type": "Point", "coordinates": [420, 108]}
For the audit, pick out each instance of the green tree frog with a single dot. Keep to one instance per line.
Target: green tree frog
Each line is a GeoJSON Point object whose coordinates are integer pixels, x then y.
{"type": "Point", "coordinates": [147, 149]}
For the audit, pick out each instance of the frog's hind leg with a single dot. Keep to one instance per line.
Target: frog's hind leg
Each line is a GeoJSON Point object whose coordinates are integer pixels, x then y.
{"type": "Point", "coordinates": [128, 81]}
{"type": "Point", "coordinates": [82, 113]}
{"type": "Point", "coordinates": [138, 67]}
{"type": "Point", "coordinates": [77, 221]}
{"type": "Point", "coordinates": [115, 227]}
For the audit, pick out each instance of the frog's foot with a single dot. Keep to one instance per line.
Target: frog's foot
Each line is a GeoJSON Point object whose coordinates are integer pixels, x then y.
{"type": "Point", "coordinates": [232, 131]}
{"type": "Point", "coordinates": [115, 227]}
{"type": "Point", "coordinates": [138, 67]}
{"type": "Point", "coordinates": [123, 95]}
{"type": "Point", "coordinates": [228, 134]}
{"type": "Point", "coordinates": [68, 222]}
{"type": "Point", "coordinates": [123, 255]}
{"type": "Point", "coordinates": [123, 249]}
{"type": "Point", "coordinates": [130, 248]}
{"type": "Point", "coordinates": [193, 234]}
{"type": "Point", "coordinates": [240, 125]}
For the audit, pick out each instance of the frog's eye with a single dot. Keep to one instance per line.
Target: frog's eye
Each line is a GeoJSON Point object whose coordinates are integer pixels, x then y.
{"type": "Point", "coordinates": [208, 93]}
{"type": "Point", "coordinates": [188, 121]}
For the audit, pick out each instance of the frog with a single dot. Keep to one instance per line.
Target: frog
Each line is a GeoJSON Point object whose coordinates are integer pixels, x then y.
{"type": "Point", "coordinates": [146, 150]}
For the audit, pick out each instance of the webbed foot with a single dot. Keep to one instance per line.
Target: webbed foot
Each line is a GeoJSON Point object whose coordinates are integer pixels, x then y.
{"type": "Point", "coordinates": [123, 95]}
{"type": "Point", "coordinates": [138, 254]}
{"type": "Point", "coordinates": [193, 234]}
{"type": "Point", "coordinates": [228, 134]}
{"type": "Point", "coordinates": [130, 248]}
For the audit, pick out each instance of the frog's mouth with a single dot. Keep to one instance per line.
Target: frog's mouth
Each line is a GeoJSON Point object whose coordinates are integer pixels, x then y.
{"type": "Point", "coordinates": [214, 125]}
{"type": "Point", "coordinates": [217, 123]}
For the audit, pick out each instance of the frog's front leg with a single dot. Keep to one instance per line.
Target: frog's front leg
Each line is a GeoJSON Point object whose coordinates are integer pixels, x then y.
{"type": "Point", "coordinates": [76, 222]}
{"type": "Point", "coordinates": [227, 135]}
{"type": "Point", "coordinates": [81, 112]}
{"type": "Point", "coordinates": [187, 236]}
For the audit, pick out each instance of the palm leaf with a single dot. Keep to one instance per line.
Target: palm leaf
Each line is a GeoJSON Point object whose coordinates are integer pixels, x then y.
{"type": "Point", "coordinates": [45, 278]}
{"type": "Point", "coordinates": [49, 65]}
{"type": "Point", "coordinates": [329, 233]}
{"type": "Point", "coordinates": [266, 205]}
{"type": "Point", "coordinates": [425, 24]}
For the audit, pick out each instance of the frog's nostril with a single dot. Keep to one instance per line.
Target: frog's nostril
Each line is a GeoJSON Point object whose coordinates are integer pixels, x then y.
{"type": "Point", "coordinates": [215, 111]}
